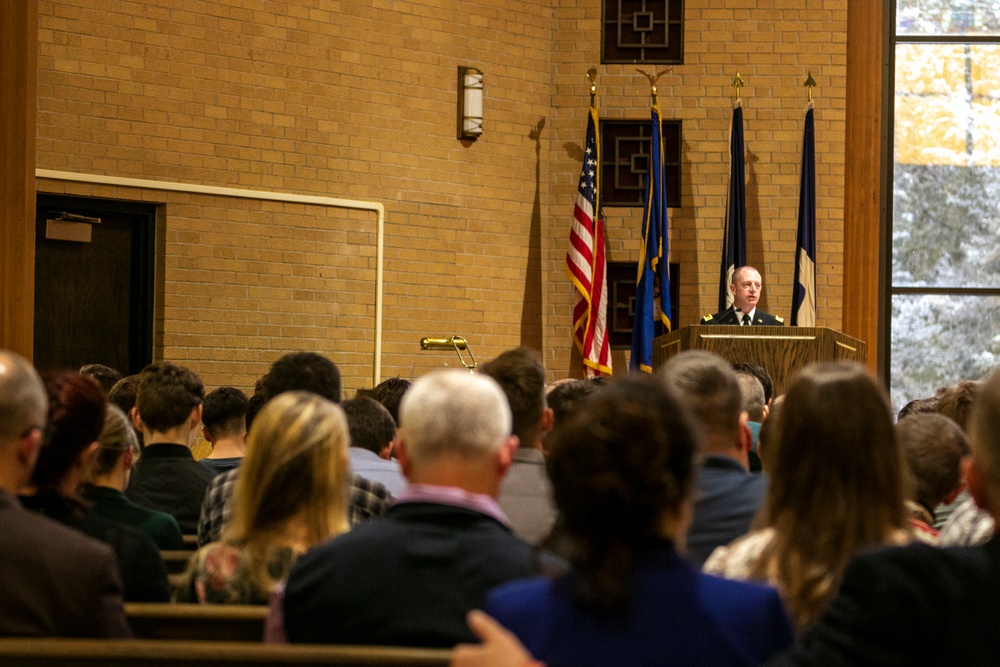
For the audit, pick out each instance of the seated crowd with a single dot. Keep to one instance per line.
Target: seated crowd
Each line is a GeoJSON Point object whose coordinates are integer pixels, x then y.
{"type": "Point", "coordinates": [691, 517]}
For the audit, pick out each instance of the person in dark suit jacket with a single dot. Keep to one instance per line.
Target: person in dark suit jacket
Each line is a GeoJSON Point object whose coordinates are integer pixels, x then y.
{"type": "Point", "coordinates": [746, 288]}
{"type": "Point", "coordinates": [410, 578]}
{"type": "Point", "coordinates": [54, 580]}
{"type": "Point", "coordinates": [167, 478]}
{"type": "Point", "coordinates": [728, 495]}
{"type": "Point", "coordinates": [920, 605]}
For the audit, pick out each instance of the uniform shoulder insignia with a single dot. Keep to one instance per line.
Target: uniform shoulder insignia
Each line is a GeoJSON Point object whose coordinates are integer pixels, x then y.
{"type": "Point", "coordinates": [779, 319]}
{"type": "Point", "coordinates": [707, 318]}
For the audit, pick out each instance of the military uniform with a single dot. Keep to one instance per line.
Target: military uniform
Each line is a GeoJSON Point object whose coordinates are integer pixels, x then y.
{"type": "Point", "coordinates": [730, 316]}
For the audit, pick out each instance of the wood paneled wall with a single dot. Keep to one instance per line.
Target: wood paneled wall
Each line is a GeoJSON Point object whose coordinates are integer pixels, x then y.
{"type": "Point", "coordinates": [864, 274]}
{"type": "Point", "coordinates": [18, 77]}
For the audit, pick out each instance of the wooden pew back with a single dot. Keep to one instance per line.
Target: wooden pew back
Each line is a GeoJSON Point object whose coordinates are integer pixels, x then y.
{"type": "Point", "coordinates": [51, 652]}
{"type": "Point", "coordinates": [196, 621]}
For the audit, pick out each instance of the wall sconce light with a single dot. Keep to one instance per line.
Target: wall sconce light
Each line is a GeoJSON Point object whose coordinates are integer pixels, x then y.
{"type": "Point", "coordinates": [470, 102]}
{"type": "Point", "coordinates": [456, 343]}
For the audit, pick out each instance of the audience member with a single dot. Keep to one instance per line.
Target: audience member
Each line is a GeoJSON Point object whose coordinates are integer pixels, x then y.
{"type": "Point", "coordinates": [296, 371]}
{"type": "Point", "coordinates": [766, 382]}
{"type": "Point", "coordinates": [223, 423]}
{"type": "Point", "coordinates": [389, 393]}
{"type": "Point", "coordinates": [922, 605]}
{"type": "Point", "coordinates": [118, 451]}
{"type": "Point", "coordinates": [54, 581]}
{"type": "Point", "coordinates": [373, 435]}
{"type": "Point", "coordinates": [76, 417]}
{"type": "Point", "coordinates": [934, 448]}
{"type": "Point", "coordinates": [623, 473]}
{"type": "Point", "coordinates": [256, 402]}
{"type": "Point", "coordinates": [727, 495]}
{"type": "Point", "coordinates": [756, 408]}
{"type": "Point", "coordinates": [290, 496]}
{"type": "Point", "coordinates": [105, 375]}
{"type": "Point", "coordinates": [410, 578]}
{"type": "Point", "coordinates": [836, 489]}
{"type": "Point", "coordinates": [565, 398]}
{"type": "Point", "coordinates": [526, 493]}
{"type": "Point", "coordinates": [167, 411]}
{"type": "Point", "coordinates": [123, 394]}
{"type": "Point", "coordinates": [955, 401]}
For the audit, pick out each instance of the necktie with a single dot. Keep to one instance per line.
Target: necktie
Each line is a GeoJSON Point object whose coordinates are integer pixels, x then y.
{"type": "Point", "coordinates": [746, 319]}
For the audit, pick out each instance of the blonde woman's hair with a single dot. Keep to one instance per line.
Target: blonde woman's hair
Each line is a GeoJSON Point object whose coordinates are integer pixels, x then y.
{"type": "Point", "coordinates": [116, 438]}
{"type": "Point", "coordinates": [295, 474]}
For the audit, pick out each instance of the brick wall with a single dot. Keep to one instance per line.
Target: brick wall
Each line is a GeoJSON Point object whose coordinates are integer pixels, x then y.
{"type": "Point", "coordinates": [358, 100]}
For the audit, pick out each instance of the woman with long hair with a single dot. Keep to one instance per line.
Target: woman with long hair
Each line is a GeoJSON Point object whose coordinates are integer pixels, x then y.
{"type": "Point", "coordinates": [622, 472]}
{"type": "Point", "coordinates": [836, 488]}
{"type": "Point", "coordinates": [291, 495]}
{"type": "Point", "coordinates": [76, 418]}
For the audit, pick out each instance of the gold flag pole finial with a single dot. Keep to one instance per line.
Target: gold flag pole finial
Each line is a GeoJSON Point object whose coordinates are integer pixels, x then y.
{"type": "Point", "coordinates": [737, 84]}
{"type": "Point", "coordinates": [653, 78]}
{"type": "Point", "coordinates": [592, 77]}
{"type": "Point", "coordinates": [810, 84]}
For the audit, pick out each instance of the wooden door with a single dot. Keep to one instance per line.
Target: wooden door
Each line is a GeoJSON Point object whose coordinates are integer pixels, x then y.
{"type": "Point", "coordinates": [94, 300]}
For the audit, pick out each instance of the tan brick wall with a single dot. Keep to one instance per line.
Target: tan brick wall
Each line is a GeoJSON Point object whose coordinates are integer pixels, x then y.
{"type": "Point", "coordinates": [358, 100]}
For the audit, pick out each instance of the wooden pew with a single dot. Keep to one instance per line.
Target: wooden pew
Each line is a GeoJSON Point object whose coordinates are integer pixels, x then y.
{"type": "Point", "coordinates": [216, 622]}
{"type": "Point", "coordinates": [190, 542]}
{"type": "Point", "coordinates": [176, 561]}
{"type": "Point", "coordinates": [51, 652]}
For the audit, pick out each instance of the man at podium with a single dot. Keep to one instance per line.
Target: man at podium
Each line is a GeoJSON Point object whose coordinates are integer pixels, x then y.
{"type": "Point", "coordinates": [747, 288]}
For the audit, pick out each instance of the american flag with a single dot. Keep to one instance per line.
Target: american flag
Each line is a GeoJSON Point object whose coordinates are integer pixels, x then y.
{"type": "Point", "coordinates": [587, 264]}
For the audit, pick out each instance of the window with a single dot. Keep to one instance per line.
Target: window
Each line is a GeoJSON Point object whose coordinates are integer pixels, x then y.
{"type": "Point", "coordinates": [945, 285]}
{"type": "Point", "coordinates": [643, 31]}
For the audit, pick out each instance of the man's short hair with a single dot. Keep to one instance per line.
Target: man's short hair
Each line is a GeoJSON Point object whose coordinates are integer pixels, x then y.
{"type": "Point", "coordinates": [123, 393]}
{"type": "Point", "coordinates": [303, 371]}
{"type": "Point", "coordinates": [225, 412]}
{"type": "Point", "coordinates": [933, 446]}
{"type": "Point", "coordinates": [707, 386]}
{"type": "Point", "coordinates": [389, 393]}
{"type": "Point", "coordinates": [565, 399]}
{"type": "Point", "coordinates": [167, 394]}
{"type": "Point", "coordinates": [520, 374]}
{"type": "Point", "coordinates": [918, 406]}
{"type": "Point", "coordinates": [761, 374]}
{"type": "Point", "coordinates": [23, 400]}
{"type": "Point", "coordinates": [105, 375]}
{"type": "Point", "coordinates": [371, 425]}
{"type": "Point", "coordinates": [753, 396]}
{"type": "Point", "coordinates": [452, 412]}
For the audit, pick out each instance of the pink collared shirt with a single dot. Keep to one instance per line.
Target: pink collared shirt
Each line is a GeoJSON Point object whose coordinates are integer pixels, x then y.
{"type": "Point", "coordinates": [450, 495]}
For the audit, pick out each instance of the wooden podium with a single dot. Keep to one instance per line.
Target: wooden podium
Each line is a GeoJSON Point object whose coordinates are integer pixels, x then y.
{"type": "Point", "coordinates": [781, 350]}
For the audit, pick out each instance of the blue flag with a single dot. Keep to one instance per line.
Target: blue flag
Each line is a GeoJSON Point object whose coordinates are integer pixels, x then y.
{"type": "Point", "coordinates": [804, 293]}
{"type": "Point", "coordinates": [653, 279]}
{"type": "Point", "coordinates": [734, 243]}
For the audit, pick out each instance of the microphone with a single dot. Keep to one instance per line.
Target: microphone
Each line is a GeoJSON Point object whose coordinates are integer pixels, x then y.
{"type": "Point", "coordinates": [732, 309]}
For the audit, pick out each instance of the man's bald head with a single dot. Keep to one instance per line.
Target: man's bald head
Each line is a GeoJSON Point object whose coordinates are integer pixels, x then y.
{"type": "Point", "coordinates": [23, 403]}
{"type": "Point", "coordinates": [23, 409]}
